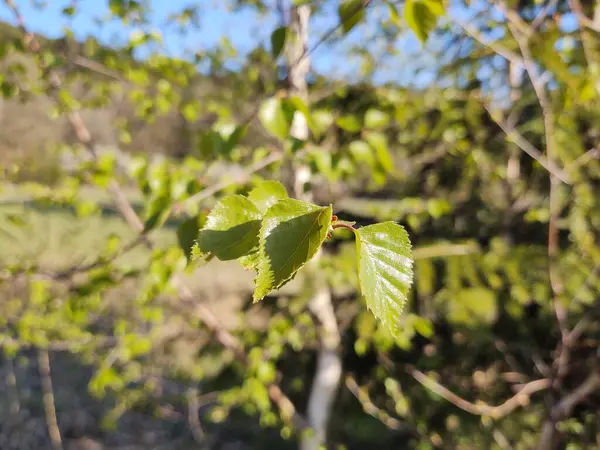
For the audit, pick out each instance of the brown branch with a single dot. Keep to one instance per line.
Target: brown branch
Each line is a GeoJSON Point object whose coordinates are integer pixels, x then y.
{"type": "Point", "coordinates": [514, 136]}
{"type": "Point", "coordinates": [565, 406]}
{"type": "Point", "coordinates": [362, 395]}
{"type": "Point", "coordinates": [583, 20]}
{"type": "Point", "coordinates": [48, 399]}
{"type": "Point", "coordinates": [243, 178]}
{"type": "Point", "coordinates": [482, 409]}
{"type": "Point", "coordinates": [193, 419]}
{"type": "Point", "coordinates": [499, 49]}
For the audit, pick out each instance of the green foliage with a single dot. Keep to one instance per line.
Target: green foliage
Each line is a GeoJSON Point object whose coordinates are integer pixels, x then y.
{"type": "Point", "coordinates": [290, 232]}
{"type": "Point", "coordinates": [290, 235]}
{"type": "Point", "coordinates": [231, 229]}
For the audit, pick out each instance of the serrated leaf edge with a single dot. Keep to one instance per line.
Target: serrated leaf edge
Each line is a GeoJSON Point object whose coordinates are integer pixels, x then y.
{"type": "Point", "coordinates": [263, 257]}
{"type": "Point", "coordinates": [389, 327]}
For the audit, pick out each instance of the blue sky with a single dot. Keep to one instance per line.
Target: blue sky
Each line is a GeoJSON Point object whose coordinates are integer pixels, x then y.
{"type": "Point", "coordinates": [245, 30]}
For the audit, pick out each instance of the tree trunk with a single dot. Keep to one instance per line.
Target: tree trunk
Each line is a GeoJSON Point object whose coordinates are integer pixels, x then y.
{"type": "Point", "coordinates": [329, 367]}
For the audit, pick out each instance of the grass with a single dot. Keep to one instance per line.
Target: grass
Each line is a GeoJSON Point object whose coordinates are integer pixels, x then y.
{"type": "Point", "coordinates": [56, 238]}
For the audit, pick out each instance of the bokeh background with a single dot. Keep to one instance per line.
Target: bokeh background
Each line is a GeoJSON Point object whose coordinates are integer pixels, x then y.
{"type": "Point", "coordinates": [474, 124]}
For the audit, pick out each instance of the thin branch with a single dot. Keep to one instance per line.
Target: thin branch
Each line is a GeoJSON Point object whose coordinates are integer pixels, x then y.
{"type": "Point", "coordinates": [193, 419]}
{"type": "Point", "coordinates": [362, 395]}
{"type": "Point", "coordinates": [497, 48]}
{"type": "Point", "coordinates": [242, 178]}
{"type": "Point", "coordinates": [564, 408]}
{"type": "Point", "coordinates": [513, 135]}
{"type": "Point", "coordinates": [48, 399]}
{"type": "Point", "coordinates": [583, 20]}
{"type": "Point", "coordinates": [542, 14]}
{"type": "Point", "coordinates": [482, 409]}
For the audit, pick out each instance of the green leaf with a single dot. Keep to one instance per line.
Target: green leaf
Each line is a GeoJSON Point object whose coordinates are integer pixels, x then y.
{"type": "Point", "coordinates": [298, 104]}
{"type": "Point", "coordinates": [266, 194]}
{"type": "Point", "coordinates": [394, 16]}
{"type": "Point", "coordinates": [349, 123]}
{"type": "Point", "coordinates": [472, 306]}
{"type": "Point", "coordinates": [421, 16]}
{"type": "Point", "coordinates": [362, 152]}
{"type": "Point", "coordinates": [278, 41]}
{"type": "Point", "coordinates": [276, 117]}
{"type": "Point", "coordinates": [375, 118]}
{"type": "Point", "coordinates": [385, 270]}
{"type": "Point", "coordinates": [350, 13]}
{"type": "Point", "coordinates": [231, 229]}
{"type": "Point", "coordinates": [378, 142]}
{"type": "Point", "coordinates": [187, 233]}
{"type": "Point", "coordinates": [292, 232]}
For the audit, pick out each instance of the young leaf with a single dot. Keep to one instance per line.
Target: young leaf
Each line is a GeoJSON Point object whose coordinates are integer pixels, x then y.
{"type": "Point", "coordinates": [231, 229]}
{"type": "Point", "coordinates": [384, 270]}
{"type": "Point", "coordinates": [350, 12]}
{"type": "Point", "coordinates": [278, 41]}
{"type": "Point", "coordinates": [266, 194]}
{"type": "Point", "coordinates": [421, 17]}
{"type": "Point", "coordinates": [292, 232]}
{"type": "Point", "coordinates": [187, 233]}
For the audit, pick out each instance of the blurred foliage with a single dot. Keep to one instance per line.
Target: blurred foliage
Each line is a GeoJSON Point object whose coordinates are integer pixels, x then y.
{"type": "Point", "coordinates": [121, 306]}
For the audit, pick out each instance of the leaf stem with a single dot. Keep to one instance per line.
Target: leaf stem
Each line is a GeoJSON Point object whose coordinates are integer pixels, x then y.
{"type": "Point", "coordinates": [343, 224]}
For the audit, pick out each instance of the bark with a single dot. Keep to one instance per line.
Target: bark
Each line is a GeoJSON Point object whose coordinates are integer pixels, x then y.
{"type": "Point", "coordinates": [329, 367]}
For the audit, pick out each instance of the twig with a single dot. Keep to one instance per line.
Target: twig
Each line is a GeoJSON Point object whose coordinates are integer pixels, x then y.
{"type": "Point", "coordinates": [483, 409]}
{"type": "Point", "coordinates": [48, 399]}
{"type": "Point", "coordinates": [564, 407]}
{"type": "Point", "coordinates": [577, 9]}
{"type": "Point", "coordinates": [362, 395]}
{"type": "Point", "coordinates": [193, 419]}
{"type": "Point", "coordinates": [244, 177]}
{"type": "Point", "coordinates": [513, 135]}
{"type": "Point", "coordinates": [494, 46]}
{"type": "Point", "coordinates": [541, 15]}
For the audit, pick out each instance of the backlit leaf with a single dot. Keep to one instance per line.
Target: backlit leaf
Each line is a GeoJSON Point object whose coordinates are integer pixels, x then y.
{"type": "Point", "coordinates": [266, 194]}
{"type": "Point", "coordinates": [350, 12]}
{"type": "Point", "coordinates": [231, 229]}
{"type": "Point", "coordinates": [385, 270]}
{"type": "Point", "coordinates": [276, 117]}
{"type": "Point", "coordinates": [421, 17]}
{"type": "Point", "coordinates": [292, 232]}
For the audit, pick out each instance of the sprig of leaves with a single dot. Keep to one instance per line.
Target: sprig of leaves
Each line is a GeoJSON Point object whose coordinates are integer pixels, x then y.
{"type": "Point", "coordinates": [275, 236]}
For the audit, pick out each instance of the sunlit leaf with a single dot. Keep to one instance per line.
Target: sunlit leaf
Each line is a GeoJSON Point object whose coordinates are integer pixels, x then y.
{"type": "Point", "coordinates": [385, 270]}
{"type": "Point", "coordinates": [421, 16]}
{"type": "Point", "coordinates": [349, 123]}
{"type": "Point", "coordinates": [375, 118]}
{"type": "Point", "coordinates": [292, 232]}
{"type": "Point", "coordinates": [276, 117]}
{"type": "Point", "coordinates": [231, 229]}
{"type": "Point", "coordinates": [266, 194]}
